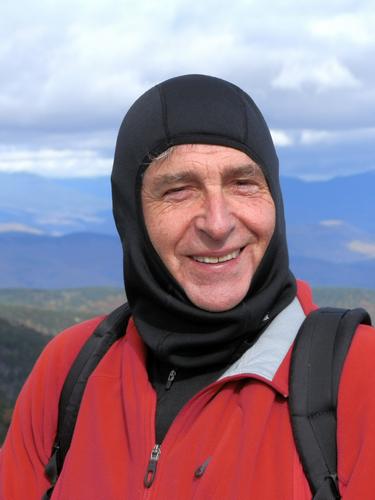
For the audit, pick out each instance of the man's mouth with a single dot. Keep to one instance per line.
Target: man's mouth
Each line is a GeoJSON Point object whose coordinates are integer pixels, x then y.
{"type": "Point", "coordinates": [216, 260]}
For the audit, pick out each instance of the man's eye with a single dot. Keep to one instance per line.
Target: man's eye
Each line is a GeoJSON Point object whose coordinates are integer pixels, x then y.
{"type": "Point", "coordinates": [175, 190]}
{"type": "Point", "coordinates": [176, 193]}
{"type": "Point", "coordinates": [246, 185]}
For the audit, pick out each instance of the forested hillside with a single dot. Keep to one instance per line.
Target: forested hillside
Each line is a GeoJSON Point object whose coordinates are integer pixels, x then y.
{"type": "Point", "coordinates": [346, 297]}
{"type": "Point", "coordinates": [19, 348]}
{"type": "Point", "coordinates": [50, 311]}
{"type": "Point", "coordinates": [29, 318]}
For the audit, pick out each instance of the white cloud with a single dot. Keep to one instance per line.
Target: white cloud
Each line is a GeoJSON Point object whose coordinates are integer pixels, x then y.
{"type": "Point", "coordinates": [281, 138]}
{"type": "Point", "coordinates": [362, 247]}
{"type": "Point", "coordinates": [55, 163]}
{"type": "Point", "coordinates": [331, 223]}
{"type": "Point", "coordinates": [312, 137]}
{"type": "Point", "coordinates": [19, 228]}
{"type": "Point", "coordinates": [348, 28]}
{"type": "Point", "coordinates": [316, 136]}
{"type": "Point", "coordinates": [73, 67]}
{"type": "Point", "coordinates": [323, 75]}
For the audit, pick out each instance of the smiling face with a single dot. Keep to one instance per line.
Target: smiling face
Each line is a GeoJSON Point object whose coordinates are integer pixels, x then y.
{"type": "Point", "coordinates": [210, 217]}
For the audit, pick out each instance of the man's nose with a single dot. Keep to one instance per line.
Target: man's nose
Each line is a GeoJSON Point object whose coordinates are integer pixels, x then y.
{"type": "Point", "coordinates": [216, 219]}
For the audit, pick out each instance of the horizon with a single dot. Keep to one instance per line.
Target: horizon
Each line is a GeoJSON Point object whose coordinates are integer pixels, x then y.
{"type": "Point", "coordinates": [307, 179]}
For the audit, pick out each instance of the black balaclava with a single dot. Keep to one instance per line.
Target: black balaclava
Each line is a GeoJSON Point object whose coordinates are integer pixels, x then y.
{"type": "Point", "coordinates": [194, 109]}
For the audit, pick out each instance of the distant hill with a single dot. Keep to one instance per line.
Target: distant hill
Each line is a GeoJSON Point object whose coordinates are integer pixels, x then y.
{"type": "Point", "coordinates": [56, 206]}
{"type": "Point", "coordinates": [73, 260]}
{"type": "Point", "coordinates": [330, 241]}
{"type": "Point", "coordinates": [84, 205]}
{"type": "Point", "coordinates": [77, 260]}
{"type": "Point", "coordinates": [338, 274]}
{"type": "Point", "coordinates": [350, 199]}
{"type": "Point", "coordinates": [346, 297]}
{"type": "Point", "coordinates": [84, 299]}
{"type": "Point", "coordinates": [57, 233]}
{"type": "Point", "coordinates": [51, 311]}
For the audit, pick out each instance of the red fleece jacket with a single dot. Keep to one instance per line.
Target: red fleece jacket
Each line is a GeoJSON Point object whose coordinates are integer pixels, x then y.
{"type": "Point", "coordinates": [238, 428]}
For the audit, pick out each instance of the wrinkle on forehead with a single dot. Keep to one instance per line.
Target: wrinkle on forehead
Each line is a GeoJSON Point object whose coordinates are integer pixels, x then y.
{"type": "Point", "coordinates": [193, 154]}
{"type": "Point", "coordinates": [179, 164]}
{"type": "Point", "coordinates": [183, 175]}
{"type": "Point", "coordinates": [204, 149]}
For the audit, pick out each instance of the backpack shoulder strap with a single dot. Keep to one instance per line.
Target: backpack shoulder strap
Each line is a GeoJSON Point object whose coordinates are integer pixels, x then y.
{"type": "Point", "coordinates": [106, 333]}
{"type": "Point", "coordinates": [318, 356]}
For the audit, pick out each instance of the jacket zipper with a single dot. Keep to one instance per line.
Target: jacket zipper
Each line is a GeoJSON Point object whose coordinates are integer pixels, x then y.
{"type": "Point", "coordinates": [152, 464]}
{"type": "Point", "coordinates": [156, 450]}
{"type": "Point", "coordinates": [150, 474]}
{"type": "Point", "coordinates": [171, 377]}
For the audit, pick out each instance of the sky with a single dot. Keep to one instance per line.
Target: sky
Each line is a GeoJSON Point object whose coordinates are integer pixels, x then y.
{"type": "Point", "coordinates": [70, 69]}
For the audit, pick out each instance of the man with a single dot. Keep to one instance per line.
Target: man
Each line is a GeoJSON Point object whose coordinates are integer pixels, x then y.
{"type": "Point", "coordinates": [192, 401]}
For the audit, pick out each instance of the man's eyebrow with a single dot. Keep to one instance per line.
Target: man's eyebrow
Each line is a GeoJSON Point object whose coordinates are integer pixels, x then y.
{"type": "Point", "coordinates": [247, 170]}
{"type": "Point", "coordinates": [161, 181]}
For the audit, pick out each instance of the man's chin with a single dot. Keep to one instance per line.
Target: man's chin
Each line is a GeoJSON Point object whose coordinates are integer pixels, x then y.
{"type": "Point", "coordinates": [214, 301]}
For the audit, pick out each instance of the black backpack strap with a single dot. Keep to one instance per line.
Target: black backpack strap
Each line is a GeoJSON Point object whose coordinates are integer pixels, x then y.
{"type": "Point", "coordinates": [106, 333]}
{"type": "Point", "coordinates": [318, 356]}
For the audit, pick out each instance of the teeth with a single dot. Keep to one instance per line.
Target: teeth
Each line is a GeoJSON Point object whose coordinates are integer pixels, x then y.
{"type": "Point", "coordinates": [216, 260]}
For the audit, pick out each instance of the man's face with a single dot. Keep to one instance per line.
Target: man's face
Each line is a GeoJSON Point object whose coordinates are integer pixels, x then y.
{"type": "Point", "coordinates": [210, 217]}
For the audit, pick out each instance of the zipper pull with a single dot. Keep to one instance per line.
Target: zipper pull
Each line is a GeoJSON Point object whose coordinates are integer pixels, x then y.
{"type": "Point", "coordinates": [151, 468]}
{"type": "Point", "coordinates": [171, 377]}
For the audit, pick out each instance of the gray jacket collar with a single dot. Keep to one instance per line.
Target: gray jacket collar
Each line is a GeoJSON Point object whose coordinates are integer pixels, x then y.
{"type": "Point", "coordinates": [265, 356]}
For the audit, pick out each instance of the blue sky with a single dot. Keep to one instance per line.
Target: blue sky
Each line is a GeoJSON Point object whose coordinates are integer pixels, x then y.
{"type": "Point", "coordinates": [70, 69]}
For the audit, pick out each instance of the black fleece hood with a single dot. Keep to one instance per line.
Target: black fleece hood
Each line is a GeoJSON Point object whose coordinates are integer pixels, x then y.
{"type": "Point", "coordinates": [194, 109]}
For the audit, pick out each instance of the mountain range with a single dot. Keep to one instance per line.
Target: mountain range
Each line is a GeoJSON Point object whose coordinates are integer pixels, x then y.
{"type": "Point", "coordinates": [60, 233]}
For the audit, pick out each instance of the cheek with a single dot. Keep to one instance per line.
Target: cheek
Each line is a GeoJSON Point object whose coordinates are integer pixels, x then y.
{"type": "Point", "coordinates": [270, 223]}
{"type": "Point", "coordinates": [166, 228]}
{"type": "Point", "coordinates": [262, 219]}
